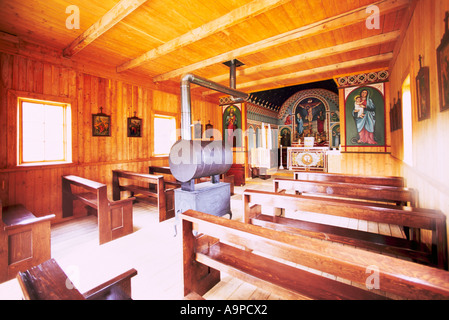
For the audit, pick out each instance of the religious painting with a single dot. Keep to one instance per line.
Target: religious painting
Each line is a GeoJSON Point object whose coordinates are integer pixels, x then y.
{"type": "Point", "coordinates": [287, 119]}
{"type": "Point", "coordinates": [197, 130]}
{"type": "Point", "coordinates": [101, 125]}
{"type": "Point", "coordinates": [134, 127]}
{"type": "Point", "coordinates": [365, 116]}
{"type": "Point", "coordinates": [209, 133]}
{"type": "Point", "coordinates": [285, 136]}
{"type": "Point", "coordinates": [310, 119]}
{"type": "Point", "coordinates": [335, 129]}
{"type": "Point", "coordinates": [396, 114]}
{"type": "Point", "coordinates": [443, 71]}
{"type": "Point", "coordinates": [423, 93]}
{"type": "Point", "coordinates": [232, 125]}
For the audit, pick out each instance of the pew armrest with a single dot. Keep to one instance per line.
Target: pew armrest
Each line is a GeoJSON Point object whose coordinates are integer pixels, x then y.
{"type": "Point", "coordinates": [118, 288]}
{"type": "Point", "coordinates": [122, 203]}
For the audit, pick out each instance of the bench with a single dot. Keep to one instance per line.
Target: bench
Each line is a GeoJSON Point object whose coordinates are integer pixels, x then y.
{"type": "Point", "coordinates": [392, 181]}
{"type": "Point", "coordinates": [277, 261]}
{"type": "Point", "coordinates": [416, 218]}
{"type": "Point", "coordinates": [115, 218]}
{"type": "Point", "coordinates": [24, 240]}
{"type": "Point", "coordinates": [48, 281]}
{"type": "Point", "coordinates": [154, 189]}
{"type": "Point", "coordinates": [386, 194]}
{"type": "Point", "coordinates": [166, 170]}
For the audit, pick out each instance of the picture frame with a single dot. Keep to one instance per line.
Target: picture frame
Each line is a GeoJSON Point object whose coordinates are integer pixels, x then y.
{"type": "Point", "coordinates": [443, 68]}
{"type": "Point", "coordinates": [423, 93]}
{"type": "Point", "coordinates": [101, 124]}
{"type": "Point", "coordinates": [134, 127]}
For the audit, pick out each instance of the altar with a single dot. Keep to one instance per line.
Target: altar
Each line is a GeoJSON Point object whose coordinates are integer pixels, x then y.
{"type": "Point", "coordinates": [307, 158]}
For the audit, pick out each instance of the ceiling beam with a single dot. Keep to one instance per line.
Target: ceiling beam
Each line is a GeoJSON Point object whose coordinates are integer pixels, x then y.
{"type": "Point", "coordinates": [106, 22]}
{"type": "Point", "coordinates": [238, 15]}
{"type": "Point", "coordinates": [276, 81]}
{"type": "Point", "coordinates": [332, 23]}
{"type": "Point", "coordinates": [317, 54]}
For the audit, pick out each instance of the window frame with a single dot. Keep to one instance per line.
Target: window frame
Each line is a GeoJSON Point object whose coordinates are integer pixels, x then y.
{"type": "Point", "coordinates": [67, 130]}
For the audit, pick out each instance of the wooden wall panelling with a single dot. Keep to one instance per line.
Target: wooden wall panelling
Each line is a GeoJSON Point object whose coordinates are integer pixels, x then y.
{"type": "Point", "coordinates": [39, 188]}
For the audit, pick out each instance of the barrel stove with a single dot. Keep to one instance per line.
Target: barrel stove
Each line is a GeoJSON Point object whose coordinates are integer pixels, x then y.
{"type": "Point", "coordinates": [193, 159]}
{"type": "Point", "coordinates": [190, 160]}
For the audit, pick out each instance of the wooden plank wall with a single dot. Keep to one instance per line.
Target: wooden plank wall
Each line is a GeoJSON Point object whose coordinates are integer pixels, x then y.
{"type": "Point", "coordinates": [39, 188]}
{"type": "Point", "coordinates": [430, 171]}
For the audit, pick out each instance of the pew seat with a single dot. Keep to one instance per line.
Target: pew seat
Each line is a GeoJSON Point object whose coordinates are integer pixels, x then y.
{"type": "Point", "coordinates": [48, 281]}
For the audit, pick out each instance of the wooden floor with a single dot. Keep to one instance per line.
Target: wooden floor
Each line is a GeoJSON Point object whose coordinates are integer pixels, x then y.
{"type": "Point", "coordinates": [153, 250]}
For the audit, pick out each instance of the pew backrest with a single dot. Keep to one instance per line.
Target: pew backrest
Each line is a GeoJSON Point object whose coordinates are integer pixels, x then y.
{"type": "Point", "coordinates": [411, 217]}
{"type": "Point", "coordinates": [398, 195]}
{"type": "Point", "coordinates": [392, 181]}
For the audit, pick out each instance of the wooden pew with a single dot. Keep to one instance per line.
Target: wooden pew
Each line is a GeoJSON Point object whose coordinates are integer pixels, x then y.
{"type": "Point", "coordinates": [48, 281]}
{"type": "Point", "coordinates": [115, 218]}
{"type": "Point", "coordinates": [24, 240]}
{"type": "Point", "coordinates": [155, 189]}
{"type": "Point", "coordinates": [387, 194]}
{"type": "Point", "coordinates": [391, 181]}
{"type": "Point", "coordinates": [166, 170]}
{"type": "Point", "coordinates": [415, 218]}
{"type": "Point", "coordinates": [264, 257]}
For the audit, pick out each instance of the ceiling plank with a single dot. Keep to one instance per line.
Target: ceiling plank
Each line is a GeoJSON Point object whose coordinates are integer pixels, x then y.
{"type": "Point", "coordinates": [106, 22]}
{"type": "Point", "coordinates": [332, 23]}
{"type": "Point", "coordinates": [325, 52]}
{"type": "Point", "coordinates": [238, 15]}
{"type": "Point", "coordinates": [405, 23]}
{"type": "Point", "coordinates": [276, 80]}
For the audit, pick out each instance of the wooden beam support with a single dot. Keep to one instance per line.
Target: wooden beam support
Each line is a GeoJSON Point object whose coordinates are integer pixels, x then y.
{"type": "Point", "coordinates": [110, 19]}
{"type": "Point", "coordinates": [317, 54]}
{"type": "Point", "coordinates": [273, 81]}
{"type": "Point", "coordinates": [332, 23]}
{"type": "Point", "coordinates": [236, 16]}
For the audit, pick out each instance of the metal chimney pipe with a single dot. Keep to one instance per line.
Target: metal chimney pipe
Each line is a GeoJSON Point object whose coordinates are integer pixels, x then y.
{"type": "Point", "coordinates": [232, 75]}
{"type": "Point", "coordinates": [186, 104]}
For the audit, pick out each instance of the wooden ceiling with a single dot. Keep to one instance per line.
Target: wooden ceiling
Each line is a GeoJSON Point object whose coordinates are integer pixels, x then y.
{"type": "Point", "coordinates": [280, 42]}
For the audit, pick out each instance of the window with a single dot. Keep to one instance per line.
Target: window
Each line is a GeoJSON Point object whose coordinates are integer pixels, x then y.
{"type": "Point", "coordinates": [164, 132]}
{"type": "Point", "coordinates": [44, 132]}
{"type": "Point", "coordinates": [407, 122]}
